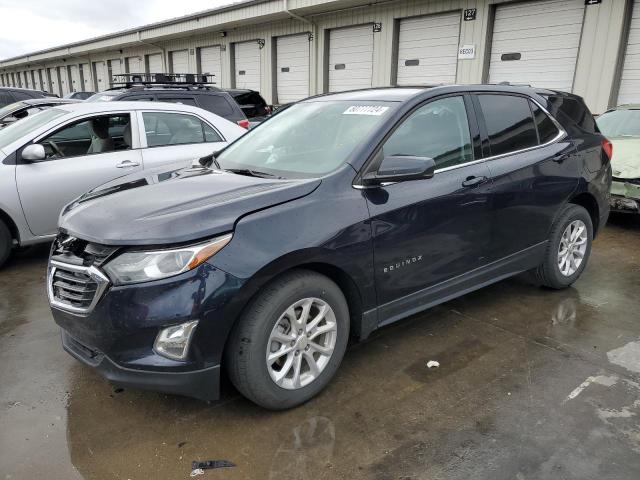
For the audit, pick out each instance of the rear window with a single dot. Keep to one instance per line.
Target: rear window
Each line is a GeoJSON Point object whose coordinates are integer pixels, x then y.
{"type": "Point", "coordinates": [248, 98]}
{"type": "Point", "coordinates": [572, 110]}
{"type": "Point", "coordinates": [509, 123]}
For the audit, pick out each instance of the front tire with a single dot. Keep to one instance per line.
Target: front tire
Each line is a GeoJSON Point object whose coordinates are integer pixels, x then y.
{"type": "Point", "coordinates": [568, 250]}
{"type": "Point", "coordinates": [289, 342]}
{"type": "Point", "coordinates": [6, 243]}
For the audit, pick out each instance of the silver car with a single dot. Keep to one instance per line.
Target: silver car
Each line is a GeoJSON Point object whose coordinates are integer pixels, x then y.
{"type": "Point", "coordinates": [49, 159]}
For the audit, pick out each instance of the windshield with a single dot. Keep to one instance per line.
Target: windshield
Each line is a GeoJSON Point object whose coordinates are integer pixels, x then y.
{"type": "Point", "coordinates": [17, 130]}
{"type": "Point", "coordinates": [307, 139]}
{"type": "Point", "coordinates": [102, 97]}
{"type": "Point", "coordinates": [10, 108]}
{"type": "Point", "coordinates": [620, 123]}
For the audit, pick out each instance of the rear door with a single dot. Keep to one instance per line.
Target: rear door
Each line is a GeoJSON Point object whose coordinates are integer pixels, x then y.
{"type": "Point", "coordinates": [169, 137]}
{"type": "Point", "coordinates": [533, 169]}
{"type": "Point", "coordinates": [80, 156]}
{"type": "Point", "coordinates": [429, 232]}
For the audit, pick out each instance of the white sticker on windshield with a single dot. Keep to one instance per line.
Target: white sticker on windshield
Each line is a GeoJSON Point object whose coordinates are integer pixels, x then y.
{"type": "Point", "coordinates": [365, 110]}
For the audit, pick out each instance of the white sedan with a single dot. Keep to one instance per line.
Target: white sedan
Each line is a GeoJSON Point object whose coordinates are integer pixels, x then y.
{"type": "Point", "coordinates": [58, 154]}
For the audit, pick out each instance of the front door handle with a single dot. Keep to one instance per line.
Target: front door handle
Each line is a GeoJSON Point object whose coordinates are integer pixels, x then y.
{"type": "Point", "coordinates": [473, 181]}
{"type": "Point", "coordinates": [127, 164]}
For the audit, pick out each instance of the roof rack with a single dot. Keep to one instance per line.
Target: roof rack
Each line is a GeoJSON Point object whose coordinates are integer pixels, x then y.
{"type": "Point", "coordinates": [128, 80]}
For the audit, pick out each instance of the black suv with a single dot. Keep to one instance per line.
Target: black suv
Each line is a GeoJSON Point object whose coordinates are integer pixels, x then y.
{"type": "Point", "coordinates": [10, 95]}
{"type": "Point", "coordinates": [341, 214]}
{"type": "Point", "coordinates": [189, 89]}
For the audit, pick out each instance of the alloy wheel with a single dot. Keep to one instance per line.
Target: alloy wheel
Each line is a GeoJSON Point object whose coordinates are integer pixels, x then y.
{"type": "Point", "coordinates": [301, 343]}
{"type": "Point", "coordinates": [572, 248]}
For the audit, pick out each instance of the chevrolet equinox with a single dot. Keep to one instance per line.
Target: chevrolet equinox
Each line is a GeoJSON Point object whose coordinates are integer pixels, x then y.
{"type": "Point", "coordinates": [340, 214]}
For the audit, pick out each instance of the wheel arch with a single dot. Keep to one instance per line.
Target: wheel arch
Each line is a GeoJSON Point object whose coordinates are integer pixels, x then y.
{"type": "Point", "coordinates": [587, 201]}
{"type": "Point", "coordinates": [11, 225]}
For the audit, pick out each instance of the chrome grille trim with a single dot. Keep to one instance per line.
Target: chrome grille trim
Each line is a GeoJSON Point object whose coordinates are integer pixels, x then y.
{"type": "Point", "coordinates": [85, 288]}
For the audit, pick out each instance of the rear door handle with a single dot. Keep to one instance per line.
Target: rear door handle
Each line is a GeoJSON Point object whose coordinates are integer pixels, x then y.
{"type": "Point", "coordinates": [474, 181]}
{"type": "Point", "coordinates": [560, 157]}
{"type": "Point", "coordinates": [127, 164]}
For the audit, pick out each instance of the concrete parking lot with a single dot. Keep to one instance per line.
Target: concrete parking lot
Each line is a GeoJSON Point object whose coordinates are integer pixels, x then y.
{"type": "Point", "coordinates": [532, 384]}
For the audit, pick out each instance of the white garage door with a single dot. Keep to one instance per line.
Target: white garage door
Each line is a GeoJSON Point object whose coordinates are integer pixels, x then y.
{"type": "Point", "coordinates": [85, 76]}
{"type": "Point", "coordinates": [211, 63]}
{"type": "Point", "coordinates": [350, 58]}
{"type": "Point", "coordinates": [27, 80]}
{"type": "Point", "coordinates": [292, 64]}
{"type": "Point", "coordinates": [64, 80]}
{"type": "Point", "coordinates": [101, 76]}
{"type": "Point", "coordinates": [134, 65]}
{"type": "Point", "coordinates": [180, 61]}
{"type": "Point", "coordinates": [76, 82]}
{"type": "Point", "coordinates": [53, 80]}
{"type": "Point", "coordinates": [42, 74]}
{"type": "Point", "coordinates": [630, 81]}
{"type": "Point", "coordinates": [428, 49]}
{"type": "Point", "coordinates": [115, 68]}
{"type": "Point", "coordinates": [154, 63]}
{"type": "Point", "coordinates": [247, 59]}
{"type": "Point", "coordinates": [536, 43]}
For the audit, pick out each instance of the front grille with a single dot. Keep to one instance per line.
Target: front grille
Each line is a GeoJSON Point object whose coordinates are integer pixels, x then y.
{"type": "Point", "coordinates": [75, 282]}
{"type": "Point", "coordinates": [75, 288]}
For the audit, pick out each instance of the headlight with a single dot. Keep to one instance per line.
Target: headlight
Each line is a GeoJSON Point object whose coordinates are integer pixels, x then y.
{"type": "Point", "coordinates": [143, 266]}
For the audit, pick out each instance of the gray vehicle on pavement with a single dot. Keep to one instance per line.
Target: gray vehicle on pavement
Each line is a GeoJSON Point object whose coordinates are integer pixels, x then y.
{"type": "Point", "coordinates": [49, 159]}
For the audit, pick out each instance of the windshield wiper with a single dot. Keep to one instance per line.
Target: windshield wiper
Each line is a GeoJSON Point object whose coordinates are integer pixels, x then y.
{"type": "Point", "coordinates": [251, 173]}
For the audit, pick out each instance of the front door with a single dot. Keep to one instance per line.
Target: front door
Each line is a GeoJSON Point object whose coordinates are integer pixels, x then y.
{"type": "Point", "coordinates": [429, 232]}
{"type": "Point", "coordinates": [80, 156]}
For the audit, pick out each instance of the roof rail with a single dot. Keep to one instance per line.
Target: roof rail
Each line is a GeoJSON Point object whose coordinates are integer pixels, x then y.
{"type": "Point", "coordinates": [129, 80]}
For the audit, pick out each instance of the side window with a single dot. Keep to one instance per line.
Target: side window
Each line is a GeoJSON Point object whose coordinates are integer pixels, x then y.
{"type": "Point", "coordinates": [21, 95]}
{"type": "Point", "coordinates": [210, 135]}
{"type": "Point", "coordinates": [102, 134]}
{"type": "Point", "coordinates": [547, 130]}
{"type": "Point", "coordinates": [138, 98]}
{"type": "Point", "coordinates": [509, 123]}
{"type": "Point", "coordinates": [216, 104]}
{"type": "Point", "coordinates": [176, 129]}
{"type": "Point", "coordinates": [438, 130]}
{"type": "Point", "coordinates": [572, 110]}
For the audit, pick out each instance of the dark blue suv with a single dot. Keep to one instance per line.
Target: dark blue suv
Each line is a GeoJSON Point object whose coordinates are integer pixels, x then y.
{"type": "Point", "coordinates": [340, 214]}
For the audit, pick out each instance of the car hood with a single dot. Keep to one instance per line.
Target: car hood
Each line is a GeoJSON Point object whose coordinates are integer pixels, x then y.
{"type": "Point", "coordinates": [626, 157]}
{"type": "Point", "coordinates": [174, 206]}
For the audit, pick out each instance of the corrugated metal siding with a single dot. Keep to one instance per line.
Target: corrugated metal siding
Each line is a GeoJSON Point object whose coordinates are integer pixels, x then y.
{"type": "Point", "coordinates": [630, 79]}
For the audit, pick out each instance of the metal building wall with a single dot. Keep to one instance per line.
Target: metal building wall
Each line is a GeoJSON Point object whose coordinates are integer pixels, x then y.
{"type": "Point", "coordinates": [596, 78]}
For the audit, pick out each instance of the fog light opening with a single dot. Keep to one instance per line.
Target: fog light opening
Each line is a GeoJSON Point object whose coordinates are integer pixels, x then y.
{"type": "Point", "coordinates": [173, 342]}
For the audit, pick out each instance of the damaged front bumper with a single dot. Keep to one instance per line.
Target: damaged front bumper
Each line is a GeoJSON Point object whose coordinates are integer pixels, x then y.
{"type": "Point", "coordinates": [625, 195]}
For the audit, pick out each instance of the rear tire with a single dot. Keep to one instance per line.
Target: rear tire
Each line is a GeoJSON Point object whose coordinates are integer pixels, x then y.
{"type": "Point", "coordinates": [279, 324]}
{"type": "Point", "coordinates": [568, 250]}
{"type": "Point", "coordinates": [6, 243]}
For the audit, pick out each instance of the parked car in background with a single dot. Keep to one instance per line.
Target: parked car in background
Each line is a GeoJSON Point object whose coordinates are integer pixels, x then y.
{"type": "Point", "coordinates": [10, 95]}
{"type": "Point", "coordinates": [622, 127]}
{"type": "Point", "coordinates": [19, 110]}
{"type": "Point", "coordinates": [50, 158]}
{"type": "Point", "coordinates": [206, 97]}
{"type": "Point", "coordinates": [251, 102]}
{"type": "Point", "coordinates": [342, 213]}
{"type": "Point", "coordinates": [79, 95]}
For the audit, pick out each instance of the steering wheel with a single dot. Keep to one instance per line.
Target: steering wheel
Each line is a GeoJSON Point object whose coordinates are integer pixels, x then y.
{"type": "Point", "coordinates": [55, 148]}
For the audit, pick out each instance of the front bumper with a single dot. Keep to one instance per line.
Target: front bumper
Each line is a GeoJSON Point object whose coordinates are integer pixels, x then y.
{"type": "Point", "coordinates": [116, 337]}
{"type": "Point", "coordinates": [625, 196]}
{"type": "Point", "coordinates": [202, 384]}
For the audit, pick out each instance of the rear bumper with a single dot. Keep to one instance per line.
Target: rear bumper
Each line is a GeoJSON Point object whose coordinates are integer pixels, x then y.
{"type": "Point", "coordinates": [201, 384]}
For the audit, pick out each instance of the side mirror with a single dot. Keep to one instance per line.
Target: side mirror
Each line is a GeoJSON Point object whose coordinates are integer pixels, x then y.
{"type": "Point", "coordinates": [33, 153]}
{"type": "Point", "coordinates": [401, 168]}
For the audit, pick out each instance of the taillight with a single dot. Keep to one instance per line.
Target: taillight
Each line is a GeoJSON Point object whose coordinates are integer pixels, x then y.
{"type": "Point", "coordinates": [244, 123]}
{"type": "Point", "coordinates": [607, 146]}
{"type": "Point", "coordinates": [269, 109]}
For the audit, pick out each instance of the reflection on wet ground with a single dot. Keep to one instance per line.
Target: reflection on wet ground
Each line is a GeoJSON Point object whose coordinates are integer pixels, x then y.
{"type": "Point", "coordinates": [532, 384]}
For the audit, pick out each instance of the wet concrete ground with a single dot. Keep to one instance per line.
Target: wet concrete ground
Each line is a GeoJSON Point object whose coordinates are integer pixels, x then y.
{"type": "Point", "coordinates": [532, 384]}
